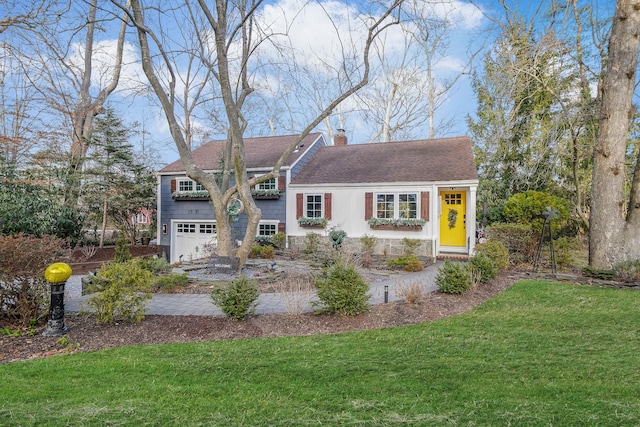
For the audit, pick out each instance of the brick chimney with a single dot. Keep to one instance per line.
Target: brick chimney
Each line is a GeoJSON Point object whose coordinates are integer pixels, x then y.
{"type": "Point", "coordinates": [340, 138]}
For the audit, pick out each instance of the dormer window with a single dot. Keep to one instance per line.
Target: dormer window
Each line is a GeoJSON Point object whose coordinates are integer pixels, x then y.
{"type": "Point", "coordinates": [188, 189]}
{"type": "Point", "coordinates": [187, 185]}
{"type": "Point", "coordinates": [267, 185]}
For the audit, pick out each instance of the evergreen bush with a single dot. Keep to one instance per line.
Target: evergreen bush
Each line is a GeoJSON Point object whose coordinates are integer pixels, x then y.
{"type": "Point", "coordinates": [519, 239]}
{"type": "Point", "coordinates": [343, 290]}
{"type": "Point", "coordinates": [496, 251]}
{"type": "Point", "coordinates": [564, 249]}
{"type": "Point", "coordinates": [238, 300]}
{"type": "Point", "coordinates": [311, 243]}
{"type": "Point", "coordinates": [122, 252]}
{"type": "Point", "coordinates": [454, 278]}
{"type": "Point", "coordinates": [406, 262]}
{"type": "Point", "coordinates": [484, 266]}
{"type": "Point", "coordinates": [170, 282]}
{"type": "Point", "coordinates": [121, 291]}
{"type": "Point", "coordinates": [527, 208]}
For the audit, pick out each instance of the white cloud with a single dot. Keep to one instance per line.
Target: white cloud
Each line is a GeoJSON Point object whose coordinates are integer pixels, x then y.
{"type": "Point", "coordinates": [103, 61]}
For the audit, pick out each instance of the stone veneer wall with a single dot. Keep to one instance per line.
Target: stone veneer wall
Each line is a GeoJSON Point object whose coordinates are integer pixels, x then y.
{"type": "Point", "coordinates": [384, 246]}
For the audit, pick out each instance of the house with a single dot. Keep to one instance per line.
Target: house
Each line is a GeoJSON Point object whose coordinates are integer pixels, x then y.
{"type": "Point", "coordinates": [423, 190]}
{"type": "Point", "coordinates": [186, 220]}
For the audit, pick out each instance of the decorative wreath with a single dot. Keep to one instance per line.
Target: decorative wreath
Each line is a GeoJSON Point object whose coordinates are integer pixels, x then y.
{"type": "Point", "coordinates": [234, 209]}
{"type": "Point", "coordinates": [452, 217]}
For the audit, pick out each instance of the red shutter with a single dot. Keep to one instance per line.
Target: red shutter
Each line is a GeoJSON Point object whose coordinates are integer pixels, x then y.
{"type": "Point", "coordinates": [424, 205]}
{"type": "Point", "coordinates": [173, 186]}
{"type": "Point", "coordinates": [368, 206]}
{"type": "Point", "coordinates": [327, 205]}
{"type": "Point", "coordinates": [299, 211]}
{"type": "Point", "coordinates": [281, 181]}
{"type": "Point", "coordinates": [281, 227]}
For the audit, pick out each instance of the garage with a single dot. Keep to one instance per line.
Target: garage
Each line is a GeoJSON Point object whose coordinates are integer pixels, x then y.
{"type": "Point", "coordinates": [192, 239]}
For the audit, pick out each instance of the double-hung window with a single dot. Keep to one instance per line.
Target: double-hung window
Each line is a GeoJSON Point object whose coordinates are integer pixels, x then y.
{"type": "Point", "coordinates": [188, 185]}
{"type": "Point", "coordinates": [397, 206]}
{"type": "Point", "coordinates": [313, 206]}
{"type": "Point", "coordinates": [270, 184]}
{"type": "Point", "coordinates": [267, 228]}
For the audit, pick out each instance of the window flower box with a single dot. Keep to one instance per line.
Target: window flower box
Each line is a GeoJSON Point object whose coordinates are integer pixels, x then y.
{"type": "Point", "coordinates": [312, 222]}
{"type": "Point", "coordinates": [401, 224]}
{"type": "Point", "coordinates": [190, 195]}
{"type": "Point", "coordinates": [258, 194]}
{"type": "Point", "coordinates": [396, 227]}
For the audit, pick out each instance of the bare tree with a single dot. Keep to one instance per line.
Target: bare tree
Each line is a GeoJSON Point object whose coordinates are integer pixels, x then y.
{"type": "Point", "coordinates": [232, 35]}
{"type": "Point", "coordinates": [27, 14]}
{"type": "Point", "coordinates": [62, 69]}
{"type": "Point", "coordinates": [615, 219]}
{"type": "Point", "coordinates": [412, 82]}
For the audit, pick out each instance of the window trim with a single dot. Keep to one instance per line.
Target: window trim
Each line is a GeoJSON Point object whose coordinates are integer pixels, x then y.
{"type": "Point", "coordinates": [270, 223]}
{"type": "Point", "coordinates": [195, 186]}
{"type": "Point", "coordinates": [396, 204]}
{"type": "Point", "coordinates": [305, 211]}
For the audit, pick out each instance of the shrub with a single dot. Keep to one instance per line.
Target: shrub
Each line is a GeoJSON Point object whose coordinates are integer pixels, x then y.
{"type": "Point", "coordinates": [259, 251]}
{"type": "Point", "coordinates": [564, 248]}
{"type": "Point", "coordinates": [336, 237]}
{"type": "Point", "coordinates": [296, 292]}
{"type": "Point", "coordinates": [238, 300]}
{"type": "Point", "coordinates": [454, 278]}
{"type": "Point", "coordinates": [413, 264]}
{"type": "Point", "coordinates": [170, 282]}
{"type": "Point", "coordinates": [279, 240]}
{"type": "Point", "coordinates": [342, 290]}
{"type": "Point", "coordinates": [527, 208]}
{"type": "Point", "coordinates": [519, 239]}
{"type": "Point", "coordinates": [24, 294]}
{"type": "Point", "coordinates": [496, 251]}
{"type": "Point", "coordinates": [409, 246]}
{"type": "Point", "coordinates": [156, 265]}
{"type": "Point", "coordinates": [122, 289]}
{"type": "Point", "coordinates": [311, 243]}
{"type": "Point", "coordinates": [255, 251]}
{"type": "Point", "coordinates": [368, 248]}
{"type": "Point", "coordinates": [412, 292]}
{"type": "Point", "coordinates": [122, 252]}
{"type": "Point", "coordinates": [627, 271]}
{"type": "Point", "coordinates": [484, 266]}
{"type": "Point", "coordinates": [31, 209]}
{"type": "Point", "coordinates": [598, 273]}
{"type": "Point", "coordinates": [406, 262]}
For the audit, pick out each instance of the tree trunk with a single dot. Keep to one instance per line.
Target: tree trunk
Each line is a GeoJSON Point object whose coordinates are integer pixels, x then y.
{"type": "Point", "coordinates": [104, 222]}
{"type": "Point", "coordinates": [86, 107]}
{"type": "Point", "coordinates": [614, 232]}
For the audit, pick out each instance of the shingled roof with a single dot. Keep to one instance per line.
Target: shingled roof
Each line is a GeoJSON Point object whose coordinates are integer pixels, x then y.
{"type": "Point", "coordinates": [429, 160]}
{"type": "Point", "coordinates": [259, 152]}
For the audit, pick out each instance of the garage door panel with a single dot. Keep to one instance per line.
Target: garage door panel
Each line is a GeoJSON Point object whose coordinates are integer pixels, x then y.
{"type": "Point", "coordinates": [191, 239]}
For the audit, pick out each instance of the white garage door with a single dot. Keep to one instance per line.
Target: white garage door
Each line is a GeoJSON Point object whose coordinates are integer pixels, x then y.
{"type": "Point", "coordinates": [191, 239]}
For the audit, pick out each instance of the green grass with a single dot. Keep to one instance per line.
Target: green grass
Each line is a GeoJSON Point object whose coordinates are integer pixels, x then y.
{"type": "Point", "coordinates": [539, 354]}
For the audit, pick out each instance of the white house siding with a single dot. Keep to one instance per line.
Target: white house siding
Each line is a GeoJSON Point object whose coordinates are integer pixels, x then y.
{"type": "Point", "coordinates": [348, 214]}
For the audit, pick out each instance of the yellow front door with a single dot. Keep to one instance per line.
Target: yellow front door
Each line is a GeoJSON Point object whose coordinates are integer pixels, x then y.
{"type": "Point", "coordinates": [453, 228]}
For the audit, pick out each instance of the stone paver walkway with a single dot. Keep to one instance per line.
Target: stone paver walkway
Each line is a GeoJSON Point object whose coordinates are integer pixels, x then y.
{"type": "Point", "coordinates": [201, 305]}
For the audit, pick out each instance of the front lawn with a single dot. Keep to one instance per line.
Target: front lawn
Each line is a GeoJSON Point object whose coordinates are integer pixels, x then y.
{"type": "Point", "coordinates": [538, 354]}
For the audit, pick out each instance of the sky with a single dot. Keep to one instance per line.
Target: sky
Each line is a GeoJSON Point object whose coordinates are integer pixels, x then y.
{"type": "Point", "coordinates": [313, 37]}
{"type": "Point", "coordinates": [312, 34]}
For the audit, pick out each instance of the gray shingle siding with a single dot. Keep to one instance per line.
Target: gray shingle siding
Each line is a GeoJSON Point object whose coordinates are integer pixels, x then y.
{"type": "Point", "coordinates": [308, 155]}
{"type": "Point", "coordinates": [274, 210]}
